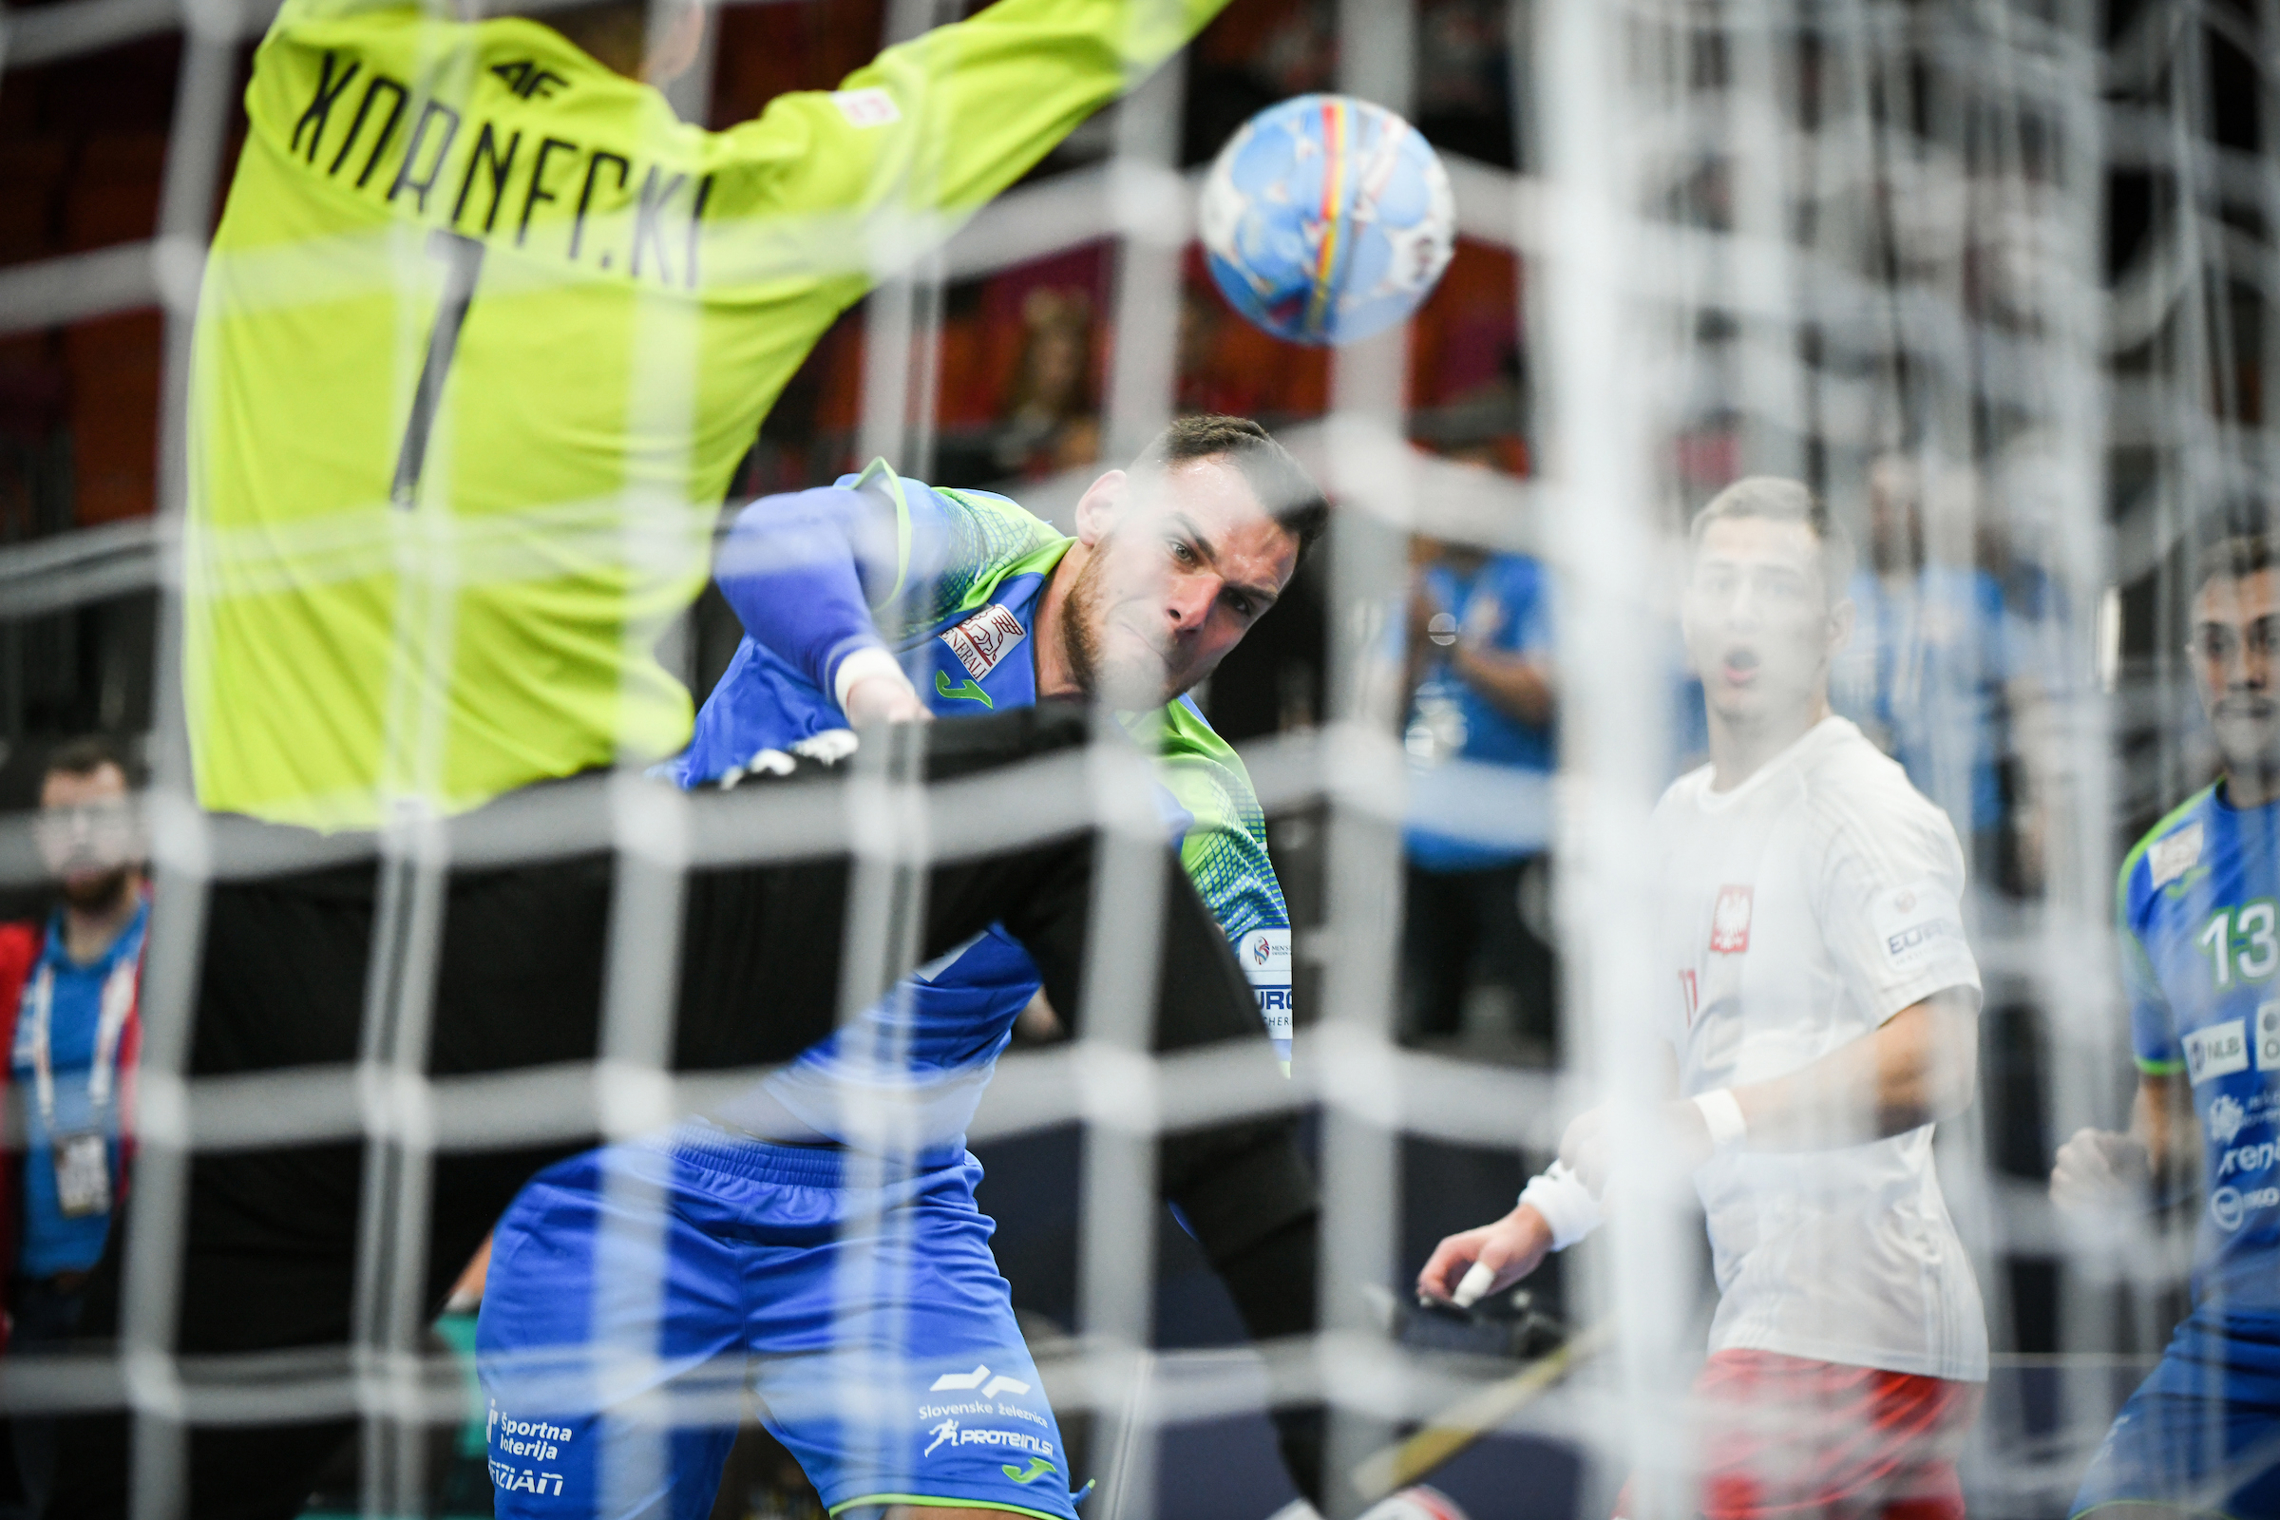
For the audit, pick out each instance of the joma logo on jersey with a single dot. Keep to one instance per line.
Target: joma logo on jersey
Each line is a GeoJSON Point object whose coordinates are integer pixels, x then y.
{"type": "Point", "coordinates": [984, 639]}
{"type": "Point", "coordinates": [1730, 922]}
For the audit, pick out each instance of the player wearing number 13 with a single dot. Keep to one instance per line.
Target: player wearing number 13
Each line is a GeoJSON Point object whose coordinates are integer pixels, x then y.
{"type": "Point", "coordinates": [2200, 938]}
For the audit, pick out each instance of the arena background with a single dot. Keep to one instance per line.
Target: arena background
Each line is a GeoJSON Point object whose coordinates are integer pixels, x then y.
{"type": "Point", "coordinates": [2033, 241]}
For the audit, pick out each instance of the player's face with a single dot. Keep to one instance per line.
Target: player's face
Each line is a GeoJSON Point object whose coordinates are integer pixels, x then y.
{"type": "Point", "coordinates": [87, 834]}
{"type": "Point", "coordinates": [1758, 620]}
{"type": "Point", "coordinates": [2236, 623]}
{"type": "Point", "coordinates": [1181, 566]}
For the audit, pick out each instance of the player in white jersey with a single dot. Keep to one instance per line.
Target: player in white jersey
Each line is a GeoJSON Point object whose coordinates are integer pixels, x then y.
{"type": "Point", "coordinates": [1823, 1015]}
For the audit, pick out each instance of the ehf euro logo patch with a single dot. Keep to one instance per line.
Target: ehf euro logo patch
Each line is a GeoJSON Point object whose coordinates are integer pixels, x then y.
{"type": "Point", "coordinates": [984, 639]}
{"type": "Point", "coordinates": [1730, 922]}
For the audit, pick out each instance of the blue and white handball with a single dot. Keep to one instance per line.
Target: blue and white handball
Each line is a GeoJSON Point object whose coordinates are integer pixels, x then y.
{"type": "Point", "coordinates": [1327, 219]}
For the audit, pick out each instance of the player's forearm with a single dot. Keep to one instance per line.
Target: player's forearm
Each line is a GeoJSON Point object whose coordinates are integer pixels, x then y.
{"type": "Point", "coordinates": [1919, 1067]}
{"type": "Point", "coordinates": [793, 568]}
{"type": "Point", "coordinates": [2161, 1120]}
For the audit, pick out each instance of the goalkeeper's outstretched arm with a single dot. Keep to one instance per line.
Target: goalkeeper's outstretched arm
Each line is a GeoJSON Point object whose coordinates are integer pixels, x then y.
{"type": "Point", "coordinates": [934, 127]}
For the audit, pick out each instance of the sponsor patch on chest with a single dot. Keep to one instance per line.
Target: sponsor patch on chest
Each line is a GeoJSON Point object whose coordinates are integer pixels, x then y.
{"type": "Point", "coordinates": [2218, 1050]}
{"type": "Point", "coordinates": [2172, 857]}
{"type": "Point", "coordinates": [984, 639]}
{"type": "Point", "coordinates": [1730, 921]}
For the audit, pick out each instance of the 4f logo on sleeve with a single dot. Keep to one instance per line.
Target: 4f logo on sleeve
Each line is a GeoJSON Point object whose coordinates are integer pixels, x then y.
{"type": "Point", "coordinates": [1730, 922]}
{"type": "Point", "coordinates": [984, 639]}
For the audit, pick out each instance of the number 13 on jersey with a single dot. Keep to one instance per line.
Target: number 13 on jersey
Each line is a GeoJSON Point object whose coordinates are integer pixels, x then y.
{"type": "Point", "coordinates": [2241, 943]}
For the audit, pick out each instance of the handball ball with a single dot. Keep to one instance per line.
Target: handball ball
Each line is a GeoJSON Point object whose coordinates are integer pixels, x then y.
{"type": "Point", "coordinates": [1327, 219]}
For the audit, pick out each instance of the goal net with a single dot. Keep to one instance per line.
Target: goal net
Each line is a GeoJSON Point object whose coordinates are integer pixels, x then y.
{"type": "Point", "coordinates": [1994, 280]}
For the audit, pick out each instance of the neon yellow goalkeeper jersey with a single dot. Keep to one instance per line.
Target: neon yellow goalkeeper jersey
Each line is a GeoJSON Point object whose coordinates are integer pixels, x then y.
{"type": "Point", "coordinates": [484, 332]}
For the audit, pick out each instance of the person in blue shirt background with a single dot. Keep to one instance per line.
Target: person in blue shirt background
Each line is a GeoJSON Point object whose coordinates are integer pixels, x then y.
{"type": "Point", "coordinates": [69, 993]}
{"type": "Point", "coordinates": [1483, 752]}
{"type": "Point", "coordinates": [1941, 671]}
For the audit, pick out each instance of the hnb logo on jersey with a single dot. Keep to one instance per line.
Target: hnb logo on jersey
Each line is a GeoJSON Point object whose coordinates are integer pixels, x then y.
{"type": "Point", "coordinates": [1730, 922]}
{"type": "Point", "coordinates": [984, 639]}
{"type": "Point", "coordinates": [2219, 1050]}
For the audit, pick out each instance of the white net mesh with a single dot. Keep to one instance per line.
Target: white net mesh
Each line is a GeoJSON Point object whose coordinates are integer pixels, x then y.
{"type": "Point", "coordinates": [1993, 279]}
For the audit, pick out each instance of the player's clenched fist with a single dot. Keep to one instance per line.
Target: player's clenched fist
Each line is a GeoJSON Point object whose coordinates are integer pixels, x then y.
{"type": "Point", "coordinates": [2101, 1169]}
{"type": "Point", "coordinates": [885, 698]}
{"type": "Point", "coordinates": [1467, 1267]}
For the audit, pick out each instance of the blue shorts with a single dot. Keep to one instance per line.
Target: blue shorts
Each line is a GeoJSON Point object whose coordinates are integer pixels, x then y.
{"type": "Point", "coordinates": [2202, 1433]}
{"type": "Point", "coordinates": [639, 1293]}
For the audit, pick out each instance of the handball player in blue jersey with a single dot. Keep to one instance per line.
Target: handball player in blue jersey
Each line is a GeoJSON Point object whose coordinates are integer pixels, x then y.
{"type": "Point", "coordinates": [817, 1240]}
{"type": "Point", "coordinates": [2200, 939]}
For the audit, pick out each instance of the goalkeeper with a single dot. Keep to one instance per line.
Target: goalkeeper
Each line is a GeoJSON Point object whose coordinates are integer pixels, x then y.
{"type": "Point", "coordinates": [820, 1237]}
{"type": "Point", "coordinates": [483, 333]}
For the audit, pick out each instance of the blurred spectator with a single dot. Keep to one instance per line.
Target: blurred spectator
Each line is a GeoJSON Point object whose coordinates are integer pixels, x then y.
{"type": "Point", "coordinates": [1482, 749]}
{"type": "Point", "coordinates": [1053, 414]}
{"type": "Point", "coordinates": [68, 1000]}
{"type": "Point", "coordinates": [1938, 670]}
{"type": "Point", "coordinates": [1464, 69]}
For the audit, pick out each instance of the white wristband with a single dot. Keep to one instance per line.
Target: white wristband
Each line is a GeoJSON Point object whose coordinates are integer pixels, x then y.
{"type": "Point", "coordinates": [1566, 1204]}
{"type": "Point", "coordinates": [1722, 1115]}
{"type": "Point", "coordinates": [861, 665]}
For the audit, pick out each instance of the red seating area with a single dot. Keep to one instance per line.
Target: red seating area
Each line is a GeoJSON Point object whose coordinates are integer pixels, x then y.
{"type": "Point", "coordinates": [83, 147]}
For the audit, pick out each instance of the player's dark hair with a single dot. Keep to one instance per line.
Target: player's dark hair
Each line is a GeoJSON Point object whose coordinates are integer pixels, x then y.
{"type": "Point", "coordinates": [1778, 500]}
{"type": "Point", "coordinates": [89, 753]}
{"type": "Point", "coordinates": [1281, 483]}
{"type": "Point", "coordinates": [2237, 539]}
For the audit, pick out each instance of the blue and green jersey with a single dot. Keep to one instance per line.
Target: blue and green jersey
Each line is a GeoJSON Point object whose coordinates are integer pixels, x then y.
{"type": "Point", "coordinates": [2199, 907]}
{"type": "Point", "coordinates": [951, 581]}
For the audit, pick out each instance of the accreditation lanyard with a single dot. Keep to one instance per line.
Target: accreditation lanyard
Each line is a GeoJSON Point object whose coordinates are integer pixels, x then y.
{"type": "Point", "coordinates": [82, 1163]}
